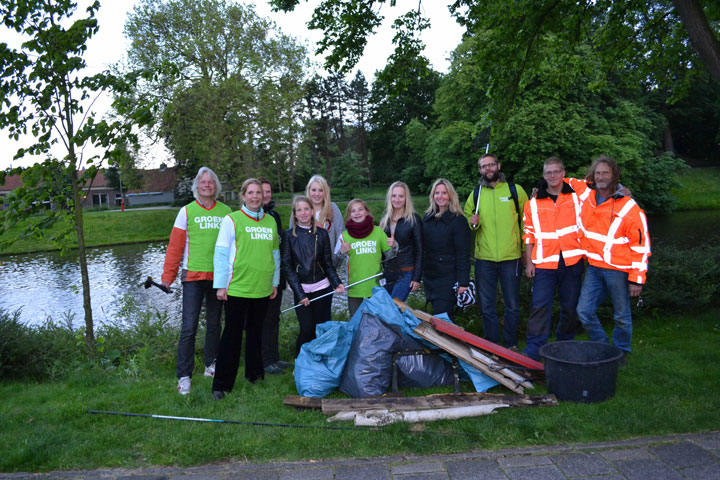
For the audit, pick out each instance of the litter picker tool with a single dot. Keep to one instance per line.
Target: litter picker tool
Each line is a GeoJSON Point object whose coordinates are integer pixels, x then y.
{"type": "Point", "coordinates": [477, 200]}
{"type": "Point", "coordinates": [330, 293]}
{"type": "Point", "coordinates": [149, 282]}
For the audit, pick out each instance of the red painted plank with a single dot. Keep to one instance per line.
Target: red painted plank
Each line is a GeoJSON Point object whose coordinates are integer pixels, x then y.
{"type": "Point", "coordinates": [460, 334]}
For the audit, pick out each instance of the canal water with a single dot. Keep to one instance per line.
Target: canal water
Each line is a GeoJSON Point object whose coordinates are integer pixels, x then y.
{"type": "Point", "coordinates": [47, 285]}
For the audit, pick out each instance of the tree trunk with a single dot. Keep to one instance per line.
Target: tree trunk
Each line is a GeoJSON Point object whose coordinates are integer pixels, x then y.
{"type": "Point", "coordinates": [364, 153]}
{"type": "Point", "coordinates": [78, 214]}
{"type": "Point", "coordinates": [701, 35]}
{"type": "Point", "coordinates": [668, 144]}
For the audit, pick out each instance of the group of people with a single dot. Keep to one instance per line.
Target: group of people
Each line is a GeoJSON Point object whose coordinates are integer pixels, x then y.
{"type": "Point", "coordinates": [244, 258]}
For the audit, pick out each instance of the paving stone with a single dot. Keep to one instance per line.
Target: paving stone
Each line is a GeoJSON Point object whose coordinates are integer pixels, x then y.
{"type": "Point", "coordinates": [629, 454]}
{"type": "Point", "coordinates": [363, 472]}
{"type": "Point", "coordinates": [710, 441]}
{"type": "Point", "coordinates": [704, 472]}
{"type": "Point", "coordinates": [307, 474]}
{"type": "Point", "coordinates": [472, 469]}
{"type": "Point", "coordinates": [602, 477]}
{"type": "Point", "coordinates": [417, 467]}
{"type": "Point", "coordinates": [582, 464]}
{"type": "Point", "coordinates": [647, 469]}
{"type": "Point", "coordinates": [253, 475]}
{"type": "Point", "coordinates": [141, 476]}
{"type": "Point", "coordinates": [198, 476]}
{"type": "Point", "coordinates": [542, 472]}
{"type": "Point", "coordinates": [423, 476]}
{"type": "Point", "coordinates": [684, 454]}
{"type": "Point", "coordinates": [523, 461]}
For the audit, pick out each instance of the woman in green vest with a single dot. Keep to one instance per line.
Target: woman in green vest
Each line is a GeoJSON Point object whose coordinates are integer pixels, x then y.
{"type": "Point", "coordinates": [247, 273]}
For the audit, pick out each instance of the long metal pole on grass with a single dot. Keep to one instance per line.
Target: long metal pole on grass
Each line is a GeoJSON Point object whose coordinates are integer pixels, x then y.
{"type": "Point", "coordinates": [330, 293]}
{"type": "Point", "coordinates": [213, 420]}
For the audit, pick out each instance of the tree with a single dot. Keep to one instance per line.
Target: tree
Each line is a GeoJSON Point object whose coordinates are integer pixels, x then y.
{"type": "Point", "coordinates": [229, 66]}
{"type": "Point", "coordinates": [643, 32]}
{"type": "Point", "coordinates": [358, 96]}
{"type": "Point", "coordinates": [404, 90]}
{"type": "Point", "coordinates": [44, 92]}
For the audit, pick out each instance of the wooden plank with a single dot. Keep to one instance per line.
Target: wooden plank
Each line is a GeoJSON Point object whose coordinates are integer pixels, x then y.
{"type": "Point", "coordinates": [298, 401]}
{"type": "Point", "coordinates": [460, 334]}
{"type": "Point", "coordinates": [461, 350]}
{"type": "Point", "coordinates": [331, 406]}
{"type": "Point", "coordinates": [494, 365]}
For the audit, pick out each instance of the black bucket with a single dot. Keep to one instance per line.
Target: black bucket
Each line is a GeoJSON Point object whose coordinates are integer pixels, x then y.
{"type": "Point", "coordinates": [581, 371]}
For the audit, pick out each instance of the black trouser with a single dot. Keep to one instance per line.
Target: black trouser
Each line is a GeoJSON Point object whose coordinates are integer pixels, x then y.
{"type": "Point", "coordinates": [444, 305]}
{"type": "Point", "coordinates": [240, 313]}
{"type": "Point", "coordinates": [270, 331]}
{"type": "Point", "coordinates": [312, 315]}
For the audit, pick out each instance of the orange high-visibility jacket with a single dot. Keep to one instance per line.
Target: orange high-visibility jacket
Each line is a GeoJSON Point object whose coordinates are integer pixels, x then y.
{"type": "Point", "coordinates": [615, 235]}
{"type": "Point", "coordinates": [553, 227]}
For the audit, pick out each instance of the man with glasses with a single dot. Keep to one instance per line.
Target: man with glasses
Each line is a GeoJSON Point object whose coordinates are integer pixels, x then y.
{"type": "Point", "coordinates": [494, 211]}
{"type": "Point", "coordinates": [553, 256]}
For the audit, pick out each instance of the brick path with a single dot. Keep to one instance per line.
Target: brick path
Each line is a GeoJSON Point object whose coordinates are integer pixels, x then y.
{"type": "Point", "coordinates": [691, 456]}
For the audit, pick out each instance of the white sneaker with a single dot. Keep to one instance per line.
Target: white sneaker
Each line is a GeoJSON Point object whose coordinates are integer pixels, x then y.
{"type": "Point", "coordinates": [184, 385]}
{"type": "Point", "coordinates": [210, 370]}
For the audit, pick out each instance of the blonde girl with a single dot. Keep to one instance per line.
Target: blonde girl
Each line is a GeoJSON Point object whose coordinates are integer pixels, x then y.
{"type": "Point", "coordinates": [446, 247]}
{"type": "Point", "coordinates": [307, 260]}
{"type": "Point", "coordinates": [401, 223]}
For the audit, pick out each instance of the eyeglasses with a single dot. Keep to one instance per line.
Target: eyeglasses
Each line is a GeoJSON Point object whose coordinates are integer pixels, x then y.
{"type": "Point", "coordinates": [488, 165]}
{"type": "Point", "coordinates": [553, 173]}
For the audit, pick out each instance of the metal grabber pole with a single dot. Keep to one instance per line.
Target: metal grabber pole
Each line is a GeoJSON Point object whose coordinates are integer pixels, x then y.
{"type": "Point", "coordinates": [330, 293]}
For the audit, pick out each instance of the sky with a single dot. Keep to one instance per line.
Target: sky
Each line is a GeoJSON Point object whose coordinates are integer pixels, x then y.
{"type": "Point", "coordinates": [109, 45]}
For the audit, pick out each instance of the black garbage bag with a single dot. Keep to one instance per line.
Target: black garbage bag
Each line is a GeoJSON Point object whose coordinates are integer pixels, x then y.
{"type": "Point", "coordinates": [368, 371]}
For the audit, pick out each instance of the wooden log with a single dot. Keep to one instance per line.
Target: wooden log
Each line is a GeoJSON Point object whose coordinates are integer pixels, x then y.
{"type": "Point", "coordinates": [462, 351]}
{"type": "Point", "coordinates": [493, 365]}
{"type": "Point", "coordinates": [378, 418]}
{"type": "Point", "coordinates": [298, 401]}
{"type": "Point", "coordinates": [331, 406]}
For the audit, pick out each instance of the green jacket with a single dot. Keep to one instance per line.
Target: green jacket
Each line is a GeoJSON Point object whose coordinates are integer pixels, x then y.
{"type": "Point", "coordinates": [497, 237]}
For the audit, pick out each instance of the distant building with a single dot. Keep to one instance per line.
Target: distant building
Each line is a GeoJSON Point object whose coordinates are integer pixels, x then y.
{"type": "Point", "coordinates": [11, 183]}
{"type": "Point", "coordinates": [158, 186]}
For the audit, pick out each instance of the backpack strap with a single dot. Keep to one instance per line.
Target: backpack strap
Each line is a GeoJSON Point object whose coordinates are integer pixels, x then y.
{"type": "Point", "coordinates": [514, 195]}
{"type": "Point", "coordinates": [476, 196]}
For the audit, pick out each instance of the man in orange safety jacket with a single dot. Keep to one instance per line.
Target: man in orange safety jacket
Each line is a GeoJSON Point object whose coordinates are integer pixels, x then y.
{"type": "Point", "coordinates": [615, 238]}
{"type": "Point", "coordinates": [554, 257]}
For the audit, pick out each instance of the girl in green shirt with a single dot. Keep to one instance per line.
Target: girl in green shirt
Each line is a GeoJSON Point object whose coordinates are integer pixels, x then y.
{"type": "Point", "coordinates": [364, 243]}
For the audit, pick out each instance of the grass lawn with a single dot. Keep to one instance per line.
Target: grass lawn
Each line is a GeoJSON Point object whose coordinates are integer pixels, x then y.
{"type": "Point", "coordinates": [700, 189]}
{"type": "Point", "coordinates": [669, 386]}
{"type": "Point", "coordinates": [103, 228]}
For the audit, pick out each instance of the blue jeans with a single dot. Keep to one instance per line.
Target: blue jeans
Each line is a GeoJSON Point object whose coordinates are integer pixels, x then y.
{"type": "Point", "coordinates": [193, 293]}
{"type": "Point", "coordinates": [398, 286]}
{"type": "Point", "coordinates": [487, 274]}
{"type": "Point", "coordinates": [599, 282]}
{"type": "Point", "coordinates": [567, 280]}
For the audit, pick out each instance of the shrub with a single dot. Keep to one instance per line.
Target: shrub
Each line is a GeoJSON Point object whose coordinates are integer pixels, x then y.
{"type": "Point", "coordinates": [36, 352]}
{"type": "Point", "coordinates": [683, 280]}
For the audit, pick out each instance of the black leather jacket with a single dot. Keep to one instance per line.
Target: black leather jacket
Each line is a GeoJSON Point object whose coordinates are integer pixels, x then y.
{"type": "Point", "coordinates": [409, 238]}
{"type": "Point", "coordinates": [306, 258]}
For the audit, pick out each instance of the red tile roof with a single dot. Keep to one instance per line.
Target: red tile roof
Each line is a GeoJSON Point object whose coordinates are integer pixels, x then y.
{"type": "Point", "coordinates": [155, 180]}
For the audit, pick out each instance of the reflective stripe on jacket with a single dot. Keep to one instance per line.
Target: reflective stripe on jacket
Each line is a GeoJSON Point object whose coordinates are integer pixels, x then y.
{"type": "Point", "coordinates": [615, 235]}
{"type": "Point", "coordinates": [553, 226]}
